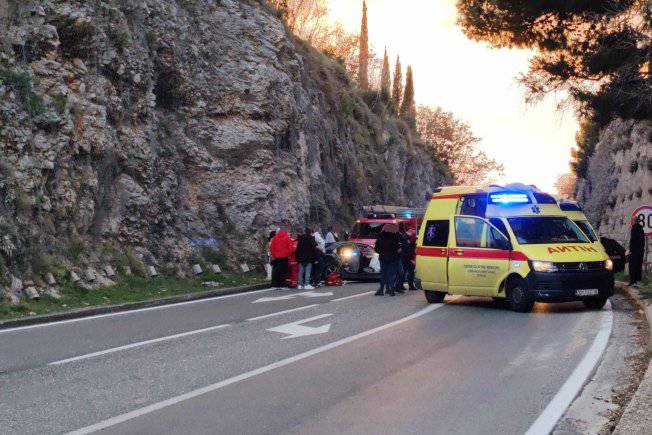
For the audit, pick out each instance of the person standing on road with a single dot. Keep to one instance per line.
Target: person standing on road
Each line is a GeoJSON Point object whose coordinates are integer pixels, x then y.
{"type": "Point", "coordinates": [306, 254]}
{"type": "Point", "coordinates": [280, 249]}
{"type": "Point", "coordinates": [388, 247]}
{"type": "Point", "coordinates": [318, 269]}
{"type": "Point", "coordinates": [408, 249]}
{"type": "Point", "coordinates": [330, 237]}
{"type": "Point", "coordinates": [636, 252]}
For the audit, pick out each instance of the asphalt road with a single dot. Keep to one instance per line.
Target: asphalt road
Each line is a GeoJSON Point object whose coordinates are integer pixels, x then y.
{"type": "Point", "coordinates": [285, 362]}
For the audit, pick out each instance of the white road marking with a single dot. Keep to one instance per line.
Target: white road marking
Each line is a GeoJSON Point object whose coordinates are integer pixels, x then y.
{"type": "Point", "coordinates": [352, 296]}
{"type": "Point", "coordinates": [298, 329]}
{"type": "Point", "coordinates": [308, 294]}
{"type": "Point", "coordinates": [281, 312]}
{"type": "Point", "coordinates": [274, 299]}
{"type": "Point", "coordinates": [574, 384]}
{"type": "Point", "coordinates": [124, 313]}
{"type": "Point", "coordinates": [314, 294]}
{"type": "Point", "coordinates": [259, 371]}
{"type": "Point", "coordinates": [134, 345]}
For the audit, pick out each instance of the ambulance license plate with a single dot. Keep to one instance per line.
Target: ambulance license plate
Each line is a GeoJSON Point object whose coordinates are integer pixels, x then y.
{"type": "Point", "coordinates": [587, 292]}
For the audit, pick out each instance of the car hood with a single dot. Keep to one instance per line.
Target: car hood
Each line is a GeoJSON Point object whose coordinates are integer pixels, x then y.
{"type": "Point", "coordinates": [565, 252]}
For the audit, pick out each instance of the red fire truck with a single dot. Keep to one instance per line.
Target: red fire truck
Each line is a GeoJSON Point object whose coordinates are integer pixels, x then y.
{"type": "Point", "coordinates": [367, 229]}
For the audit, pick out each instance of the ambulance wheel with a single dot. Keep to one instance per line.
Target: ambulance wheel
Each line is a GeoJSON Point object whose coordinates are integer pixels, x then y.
{"type": "Point", "coordinates": [518, 298]}
{"type": "Point", "coordinates": [595, 303]}
{"type": "Point", "coordinates": [434, 297]}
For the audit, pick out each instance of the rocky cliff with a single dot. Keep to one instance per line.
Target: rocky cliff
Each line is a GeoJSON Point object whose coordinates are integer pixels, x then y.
{"type": "Point", "coordinates": [619, 178]}
{"type": "Point", "coordinates": [142, 126]}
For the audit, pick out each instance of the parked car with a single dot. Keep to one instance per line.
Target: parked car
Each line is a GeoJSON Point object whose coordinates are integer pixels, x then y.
{"type": "Point", "coordinates": [352, 260]}
{"type": "Point", "coordinates": [616, 252]}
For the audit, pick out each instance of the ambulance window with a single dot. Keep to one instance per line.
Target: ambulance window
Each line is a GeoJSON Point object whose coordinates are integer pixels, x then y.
{"type": "Point", "coordinates": [436, 234]}
{"type": "Point", "coordinates": [469, 232]}
{"type": "Point", "coordinates": [495, 240]}
{"type": "Point", "coordinates": [498, 223]}
{"type": "Point", "coordinates": [474, 205]}
{"type": "Point", "coordinates": [586, 229]}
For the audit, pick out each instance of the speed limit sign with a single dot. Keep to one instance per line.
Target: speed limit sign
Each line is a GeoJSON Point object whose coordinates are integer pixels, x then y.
{"type": "Point", "coordinates": [644, 215]}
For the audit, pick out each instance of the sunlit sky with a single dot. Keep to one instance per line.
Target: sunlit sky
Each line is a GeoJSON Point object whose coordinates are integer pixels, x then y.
{"type": "Point", "coordinates": [472, 80]}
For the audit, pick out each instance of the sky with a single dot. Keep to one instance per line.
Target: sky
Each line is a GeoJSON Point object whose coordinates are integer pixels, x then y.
{"type": "Point", "coordinates": [475, 82]}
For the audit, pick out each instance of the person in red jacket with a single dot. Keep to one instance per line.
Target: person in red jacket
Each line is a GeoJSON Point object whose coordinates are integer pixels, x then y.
{"type": "Point", "coordinates": [280, 250]}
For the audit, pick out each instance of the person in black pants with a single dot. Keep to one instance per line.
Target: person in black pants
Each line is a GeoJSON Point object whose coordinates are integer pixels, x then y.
{"type": "Point", "coordinates": [636, 252]}
{"type": "Point", "coordinates": [408, 249]}
{"type": "Point", "coordinates": [388, 247]}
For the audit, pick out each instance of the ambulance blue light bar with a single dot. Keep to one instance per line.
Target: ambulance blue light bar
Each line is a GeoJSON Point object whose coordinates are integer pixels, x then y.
{"type": "Point", "coordinates": [507, 198]}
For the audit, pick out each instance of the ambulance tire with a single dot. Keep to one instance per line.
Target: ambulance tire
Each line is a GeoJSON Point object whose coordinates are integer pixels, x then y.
{"type": "Point", "coordinates": [434, 297]}
{"type": "Point", "coordinates": [595, 303]}
{"type": "Point", "coordinates": [517, 296]}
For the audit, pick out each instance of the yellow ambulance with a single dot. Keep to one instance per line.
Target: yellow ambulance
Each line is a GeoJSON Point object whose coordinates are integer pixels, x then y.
{"type": "Point", "coordinates": [614, 250]}
{"type": "Point", "coordinates": [513, 243]}
{"type": "Point", "coordinates": [574, 212]}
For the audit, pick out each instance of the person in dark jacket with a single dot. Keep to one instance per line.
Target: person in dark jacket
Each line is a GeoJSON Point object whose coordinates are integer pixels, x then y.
{"type": "Point", "coordinates": [636, 252]}
{"type": "Point", "coordinates": [388, 247]}
{"type": "Point", "coordinates": [280, 249]}
{"type": "Point", "coordinates": [306, 256]}
{"type": "Point", "coordinates": [408, 249]}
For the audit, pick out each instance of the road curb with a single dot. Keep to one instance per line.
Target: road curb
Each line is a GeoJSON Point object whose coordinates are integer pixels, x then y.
{"type": "Point", "coordinates": [94, 311]}
{"type": "Point", "coordinates": [636, 418]}
{"type": "Point", "coordinates": [642, 304]}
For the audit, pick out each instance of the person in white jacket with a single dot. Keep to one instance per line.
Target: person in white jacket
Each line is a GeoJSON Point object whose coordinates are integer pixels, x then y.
{"type": "Point", "coordinates": [319, 261]}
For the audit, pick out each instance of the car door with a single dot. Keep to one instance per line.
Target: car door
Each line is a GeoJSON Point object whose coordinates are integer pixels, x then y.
{"type": "Point", "coordinates": [479, 258]}
{"type": "Point", "coordinates": [432, 255]}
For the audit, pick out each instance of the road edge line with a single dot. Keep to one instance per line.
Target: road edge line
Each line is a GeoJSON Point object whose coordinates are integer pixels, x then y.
{"type": "Point", "coordinates": [573, 386]}
{"type": "Point", "coordinates": [250, 374]}
{"type": "Point", "coordinates": [13, 325]}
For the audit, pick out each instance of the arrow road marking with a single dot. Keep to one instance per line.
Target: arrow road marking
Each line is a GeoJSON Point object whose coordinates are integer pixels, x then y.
{"type": "Point", "coordinates": [274, 299]}
{"type": "Point", "coordinates": [297, 329]}
{"type": "Point", "coordinates": [310, 295]}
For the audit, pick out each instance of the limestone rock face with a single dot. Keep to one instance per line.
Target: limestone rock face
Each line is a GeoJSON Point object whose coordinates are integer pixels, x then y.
{"type": "Point", "coordinates": [146, 125]}
{"type": "Point", "coordinates": [619, 179]}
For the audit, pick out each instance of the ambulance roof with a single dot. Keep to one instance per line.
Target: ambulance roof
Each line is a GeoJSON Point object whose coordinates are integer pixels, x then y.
{"type": "Point", "coordinates": [511, 200]}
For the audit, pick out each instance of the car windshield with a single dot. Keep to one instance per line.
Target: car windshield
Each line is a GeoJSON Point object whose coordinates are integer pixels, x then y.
{"type": "Point", "coordinates": [547, 229]}
{"type": "Point", "coordinates": [586, 228]}
{"type": "Point", "coordinates": [367, 230]}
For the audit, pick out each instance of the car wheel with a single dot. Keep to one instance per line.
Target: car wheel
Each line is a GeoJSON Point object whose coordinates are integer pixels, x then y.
{"type": "Point", "coordinates": [518, 298]}
{"type": "Point", "coordinates": [595, 303]}
{"type": "Point", "coordinates": [434, 297]}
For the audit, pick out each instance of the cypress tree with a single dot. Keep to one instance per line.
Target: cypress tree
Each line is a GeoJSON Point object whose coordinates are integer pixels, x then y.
{"type": "Point", "coordinates": [385, 79]}
{"type": "Point", "coordinates": [363, 72]}
{"type": "Point", "coordinates": [397, 91]}
{"type": "Point", "coordinates": [409, 107]}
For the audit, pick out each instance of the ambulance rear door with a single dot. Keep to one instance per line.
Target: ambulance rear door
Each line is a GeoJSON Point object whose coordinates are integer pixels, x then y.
{"type": "Point", "coordinates": [432, 255]}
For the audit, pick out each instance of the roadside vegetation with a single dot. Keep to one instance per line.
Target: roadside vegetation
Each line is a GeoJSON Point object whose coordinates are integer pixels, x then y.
{"type": "Point", "coordinates": [130, 289]}
{"type": "Point", "coordinates": [449, 141]}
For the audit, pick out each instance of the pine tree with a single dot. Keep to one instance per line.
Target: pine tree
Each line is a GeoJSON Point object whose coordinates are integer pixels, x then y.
{"type": "Point", "coordinates": [397, 91]}
{"type": "Point", "coordinates": [363, 72]}
{"type": "Point", "coordinates": [385, 79]}
{"type": "Point", "coordinates": [409, 107]}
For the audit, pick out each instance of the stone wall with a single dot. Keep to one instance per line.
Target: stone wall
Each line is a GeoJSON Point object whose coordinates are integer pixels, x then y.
{"type": "Point", "coordinates": [140, 126]}
{"type": "Point", "coordinates": [619, 179]}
